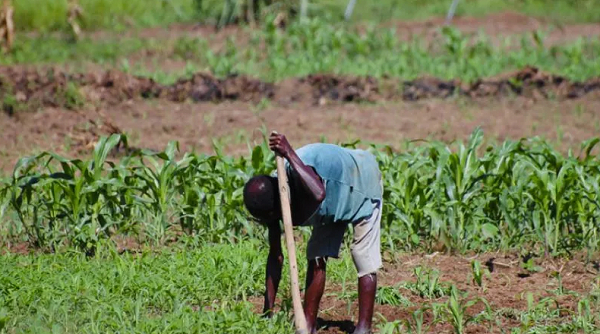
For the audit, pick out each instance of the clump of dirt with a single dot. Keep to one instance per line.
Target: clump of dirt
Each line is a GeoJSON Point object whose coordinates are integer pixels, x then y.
{"type": "Point", "coordinates": [529, 82]}
{"type": "Point", "coordinates": [532, 82]}
{"type": "Point", "coordinates": [317, 89]}
{"type": "Point", "coordinates": [346, 89]}
{"type": "Point", "coordinates": [427, 87]}
{"type": "Point", "coordinates": [203, 87]}
{"type": "Point", "coordinates": [114, 86]}
{"type": "Point", "coordinates": [27, 89]}
{"type": "Point", "coordinates": [19, 89]}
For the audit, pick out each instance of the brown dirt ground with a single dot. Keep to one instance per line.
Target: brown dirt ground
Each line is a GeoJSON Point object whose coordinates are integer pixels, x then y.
{"type": "Point", "coordinates": [197, 110]}
{"type": "Point", "coordinates": [504, 290]}
{"type": "Point", "coordinates": [153, 123]}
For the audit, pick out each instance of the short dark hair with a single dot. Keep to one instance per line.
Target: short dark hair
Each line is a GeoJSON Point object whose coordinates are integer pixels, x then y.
{"type": "Point", "coordinates": [261, 196]}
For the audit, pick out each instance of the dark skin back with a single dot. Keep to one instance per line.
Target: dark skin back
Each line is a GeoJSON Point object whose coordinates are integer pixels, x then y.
{"type": "Point", "coordinates": [305, 200]}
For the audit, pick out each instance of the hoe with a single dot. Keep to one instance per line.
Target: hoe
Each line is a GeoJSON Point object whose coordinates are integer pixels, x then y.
{"type": "Point", "coordinates": [284, 195]}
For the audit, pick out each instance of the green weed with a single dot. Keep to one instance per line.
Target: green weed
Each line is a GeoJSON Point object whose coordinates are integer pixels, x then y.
{"type": "Point", "coordinates": [11, 104]}
{"type": "Point", "coordinates": [189, 48]}
{"type": "Point", "coordinates": [70, 96]}
{"type": "Point", "coordinates": [477, 272]}
{"type": "Point", "coordinates": [390, 295]}
{"type": "Point", "coordinates": [199, 289]}
{"type": "Point", "coordinates": [427, 284]}
{"type": "Point", "coordinates": [53, 49]}
{"type": "Point", "coordinates": [455, 310]}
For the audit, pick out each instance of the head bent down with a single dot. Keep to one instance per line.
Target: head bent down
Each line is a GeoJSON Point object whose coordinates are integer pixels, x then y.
{"type": "Point", "coordinates": [261, 198]}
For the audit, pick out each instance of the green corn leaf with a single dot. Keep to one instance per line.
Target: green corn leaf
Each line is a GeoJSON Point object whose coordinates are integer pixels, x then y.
{"type": "Point", "coordinates": [489, 231]}
{"type": "Point", "coordinates": [257, 158]}
{"type": "Point", "coordinates": [103, 147]}
{"type": "Point", "coordinates": [589, 145]}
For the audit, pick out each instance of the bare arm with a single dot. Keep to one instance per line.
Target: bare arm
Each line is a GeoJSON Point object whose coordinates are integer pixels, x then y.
{"type": "Point", "coordinates": [274, 266]}
{"type": "Point", "coordinates": [309, 178]}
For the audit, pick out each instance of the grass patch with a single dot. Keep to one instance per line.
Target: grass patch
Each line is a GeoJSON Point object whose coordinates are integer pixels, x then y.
{"type": "Point", "coordinates": [70, 96]}
{"type": "Point", "coordinates": [213, 288]}
{"type": "Point", "coordinates": [319, 47]}
{"type": "Point", "coordinates": [11, 104]}
{"type": "Point", "coordinates": [50, 15]}
{"type": "Point", "coordinates": [57, 50]}
{"type": "Point", "coordinates": [199, 290]}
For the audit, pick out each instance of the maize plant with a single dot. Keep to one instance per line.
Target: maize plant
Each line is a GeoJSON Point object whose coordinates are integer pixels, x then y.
{"type": "Point", "coordinates": [464, 196]}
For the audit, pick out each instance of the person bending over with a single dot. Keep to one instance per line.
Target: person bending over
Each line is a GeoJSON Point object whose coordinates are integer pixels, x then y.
{"type": "Point", "coordinates": [330, 188]}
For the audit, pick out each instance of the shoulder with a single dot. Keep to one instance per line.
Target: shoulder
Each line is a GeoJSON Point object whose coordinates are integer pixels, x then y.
{"type": "Point", "coordinates": [321, 152]}
{"type": "Point", "coordinates": [319, 148]}
{"type": "Point", "coordinates": [321, 155]}
{"type": "Point", "coordinates": [331, 154]}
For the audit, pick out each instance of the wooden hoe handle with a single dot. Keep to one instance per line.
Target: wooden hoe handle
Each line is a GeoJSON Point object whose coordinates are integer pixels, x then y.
{"type": "Point", "coordinates": [284, 195]}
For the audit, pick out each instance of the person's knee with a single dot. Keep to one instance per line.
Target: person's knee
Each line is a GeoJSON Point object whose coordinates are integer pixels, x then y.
{"type": "Point", "coordinates": [369, 277]}
{"type": "Point", "coordinates": [318, 264]}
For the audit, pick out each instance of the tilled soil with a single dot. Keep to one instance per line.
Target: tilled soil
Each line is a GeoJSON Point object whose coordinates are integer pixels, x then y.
{"type": "Point", "coordinates": [505, 290]}
{"type": "Point", "coordinates": [55, 88]}
{"type": "Point", "coordinates": [153, 123]}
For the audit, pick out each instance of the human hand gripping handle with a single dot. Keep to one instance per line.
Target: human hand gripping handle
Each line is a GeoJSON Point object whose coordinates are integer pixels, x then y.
{"type": "Point", "coordinates": [308, 177]}
{"type": "Point", "coordinates": [281, 147]}
{"type": "Point", "coordinates": [279, 144]}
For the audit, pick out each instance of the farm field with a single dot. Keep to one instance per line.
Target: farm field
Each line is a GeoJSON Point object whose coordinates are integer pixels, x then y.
{"type": "Point", "coordinates": [123, 156]}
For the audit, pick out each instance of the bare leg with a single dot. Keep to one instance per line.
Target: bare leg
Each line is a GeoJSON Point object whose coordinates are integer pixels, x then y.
{"type": "Point", "coordinates": [315, 285]}
{"type": "Point", "coordinates": [367, 287]}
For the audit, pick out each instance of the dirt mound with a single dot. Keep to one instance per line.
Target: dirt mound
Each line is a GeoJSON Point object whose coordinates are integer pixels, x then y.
{"type": "Point", "coordinates": [30, 89]}
{"type": "Point", "coordinates": [530, 82]}
{"type": "Point", "coordinates": [20, 88]}
{"type": "Point", "coordinates": [346, 89]}
{"type": "Point", "coordinates": [204, 87]}
{"type": "Point", "coordinates": [533, 82]}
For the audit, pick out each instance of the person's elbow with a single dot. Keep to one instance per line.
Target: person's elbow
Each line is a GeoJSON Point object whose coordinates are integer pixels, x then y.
{"type": "Point", "coordinates": [320, 194]}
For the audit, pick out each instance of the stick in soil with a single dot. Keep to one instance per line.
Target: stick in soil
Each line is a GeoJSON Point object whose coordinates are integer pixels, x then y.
{"type": "Point", "coordinates": [284, 195]}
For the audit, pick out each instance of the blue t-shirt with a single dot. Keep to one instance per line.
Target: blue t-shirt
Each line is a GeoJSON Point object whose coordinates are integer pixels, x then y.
{"type": "Point", "coordinates": [352, 180]}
